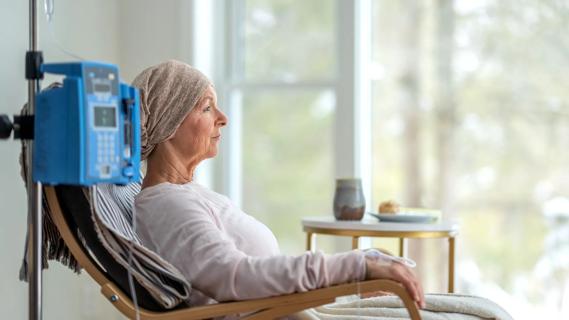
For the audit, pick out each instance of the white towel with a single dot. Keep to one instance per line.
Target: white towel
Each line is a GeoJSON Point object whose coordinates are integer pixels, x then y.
{"type": "Point", "coordinates": [439, 307]}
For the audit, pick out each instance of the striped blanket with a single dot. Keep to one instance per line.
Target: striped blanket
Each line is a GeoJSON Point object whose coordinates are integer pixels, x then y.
{"type": "Point", "coordinates": [112, 213]}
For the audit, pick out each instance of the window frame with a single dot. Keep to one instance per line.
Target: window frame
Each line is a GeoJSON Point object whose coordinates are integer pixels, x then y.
{"type": "Point", "coordinates": [352, 117]}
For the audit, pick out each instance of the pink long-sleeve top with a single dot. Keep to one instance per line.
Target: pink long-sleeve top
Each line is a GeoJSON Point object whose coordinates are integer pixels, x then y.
{"type": "Point", "coordinates": [225, 253]}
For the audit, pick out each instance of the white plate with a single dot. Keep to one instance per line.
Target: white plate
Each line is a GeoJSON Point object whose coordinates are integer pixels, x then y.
{"type": "Point", "coordinates": [404, 217]}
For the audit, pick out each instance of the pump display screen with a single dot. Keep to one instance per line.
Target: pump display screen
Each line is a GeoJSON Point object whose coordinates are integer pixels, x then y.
{"type": "Point", "coordinates": [102, 87]}
{"type": "Point", "coordinates": [105, 117]}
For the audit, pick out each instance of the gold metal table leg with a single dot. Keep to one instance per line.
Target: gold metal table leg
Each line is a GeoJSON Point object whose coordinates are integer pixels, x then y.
{"type": "Point", "coordinates": [355, 242]}
{"type": "Point", "coordinates": [451, 258]}
{"type": "Point", "coordinates": [402, 247]}
{"type": "Point", "coordinates": [309, 238]}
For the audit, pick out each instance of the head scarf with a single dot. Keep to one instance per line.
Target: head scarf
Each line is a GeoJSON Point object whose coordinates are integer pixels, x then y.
{"type": "Point", "coordinates": [168, 92]}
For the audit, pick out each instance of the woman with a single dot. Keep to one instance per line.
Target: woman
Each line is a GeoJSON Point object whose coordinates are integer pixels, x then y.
{"type": "Point", "coordinates": [224, 253]}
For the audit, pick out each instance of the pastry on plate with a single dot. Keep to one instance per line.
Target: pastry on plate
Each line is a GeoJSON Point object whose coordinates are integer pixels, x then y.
{"type": "Point", "coordinates": [389, 207]}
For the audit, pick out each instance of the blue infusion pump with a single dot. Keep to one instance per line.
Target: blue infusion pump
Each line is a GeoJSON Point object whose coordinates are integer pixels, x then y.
{"type": "Point", "coordinates": [87, 131]}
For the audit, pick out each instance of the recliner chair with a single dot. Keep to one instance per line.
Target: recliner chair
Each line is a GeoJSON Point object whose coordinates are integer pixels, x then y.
{"type": "Point", "coordinates": [71, 213]}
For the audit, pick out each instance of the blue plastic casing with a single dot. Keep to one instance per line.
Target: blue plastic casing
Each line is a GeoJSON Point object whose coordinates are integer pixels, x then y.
{"type": "Point", "coordinates": [87, 131]}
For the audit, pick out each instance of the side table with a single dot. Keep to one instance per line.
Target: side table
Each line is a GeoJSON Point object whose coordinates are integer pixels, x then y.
{"type": "Point", "coordinates": [374, 228]}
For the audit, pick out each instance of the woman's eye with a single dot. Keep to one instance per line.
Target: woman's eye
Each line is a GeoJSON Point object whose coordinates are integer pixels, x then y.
{"type": "Point", "coordinates": [208, 108]}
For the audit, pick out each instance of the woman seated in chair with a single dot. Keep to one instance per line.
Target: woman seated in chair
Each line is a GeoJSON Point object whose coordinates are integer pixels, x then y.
{"type": "Point", "coordinates": [223, 252]}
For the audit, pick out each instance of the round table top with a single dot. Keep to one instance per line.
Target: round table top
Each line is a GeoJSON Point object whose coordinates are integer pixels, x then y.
{"type": "Point", "coordinates": [329, 223]}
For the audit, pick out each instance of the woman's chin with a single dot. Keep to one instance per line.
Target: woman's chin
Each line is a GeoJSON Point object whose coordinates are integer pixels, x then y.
{"type": "Point", "coordinates": [212, 153]}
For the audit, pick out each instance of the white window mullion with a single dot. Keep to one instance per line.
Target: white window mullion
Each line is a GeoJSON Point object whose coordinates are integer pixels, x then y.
{"type": "Point", "coordinates": [231, 70]}
{"type": "Point", "coordinates": [202, 33]}
{"type": "Point", "coordinates": [203, 36]}
{"type": "Point", "coordinates": [234, 163]}
{"type": "Point", "coordinates": [345, 164]}
{"type": "Point", "coordinates": [353, 112]}
{"type": "Point", "coordinates": [362, 98]}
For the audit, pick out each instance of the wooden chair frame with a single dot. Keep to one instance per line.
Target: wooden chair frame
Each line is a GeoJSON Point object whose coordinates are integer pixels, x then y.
{"type": "Point", "coordinates": [266, 308]}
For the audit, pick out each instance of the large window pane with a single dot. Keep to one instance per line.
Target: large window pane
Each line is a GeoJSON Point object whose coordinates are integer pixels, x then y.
{"type": "Point", "coordinates": [287, 152]}
{"type": "Point", "coordinates": [289, 40]}
{"type": "Point", "coordinates": [471, 114]}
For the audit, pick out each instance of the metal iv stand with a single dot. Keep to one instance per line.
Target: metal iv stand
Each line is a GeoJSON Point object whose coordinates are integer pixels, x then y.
{"type": "Point", "coordinates": [34, 189]}
{"type": "Point", "coordinates": [23, 127]}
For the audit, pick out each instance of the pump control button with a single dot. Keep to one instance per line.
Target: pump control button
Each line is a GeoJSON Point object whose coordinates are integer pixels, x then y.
{"type": "Point", "coordinates": [105, 171]}
{"type": "Point", "coordinates": [128, 171]}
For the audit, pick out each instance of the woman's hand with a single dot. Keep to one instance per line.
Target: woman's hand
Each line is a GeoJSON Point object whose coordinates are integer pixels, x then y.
{"type": "Point", "coordinates": [397, 272]}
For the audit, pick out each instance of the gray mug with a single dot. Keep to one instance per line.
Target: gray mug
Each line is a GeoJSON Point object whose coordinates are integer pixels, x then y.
{"type": "Point", "coordinates": [349, 201]}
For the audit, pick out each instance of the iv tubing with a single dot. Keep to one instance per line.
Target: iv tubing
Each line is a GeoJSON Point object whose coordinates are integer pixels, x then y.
{"type": "Point", "coordinates": [49, 9]}
{"type": "Point", "coordinates": [130, 253]}
{"type": "Point", "coordinates": [93, 198]}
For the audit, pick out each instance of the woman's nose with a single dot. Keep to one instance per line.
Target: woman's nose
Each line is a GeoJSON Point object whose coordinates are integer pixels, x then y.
{"type": "Point", "coordinates": [222, 119]}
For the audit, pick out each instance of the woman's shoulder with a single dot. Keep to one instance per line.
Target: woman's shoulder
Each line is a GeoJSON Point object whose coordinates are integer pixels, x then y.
{"type": "Point", "coordinates": [207, 195]}
{"type": "Point", "coordinates": [165, 192]}
{"type": "Point", "coordinates": [162, 188]}
{"type": "Point", "coordinates": [170, 192]}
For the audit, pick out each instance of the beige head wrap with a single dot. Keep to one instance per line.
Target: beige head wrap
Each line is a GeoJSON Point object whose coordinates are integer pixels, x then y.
{"type": "Point", "coordinates": [168, 91]}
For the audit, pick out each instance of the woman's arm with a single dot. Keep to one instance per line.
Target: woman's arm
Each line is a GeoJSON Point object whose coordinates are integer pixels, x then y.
{"type": "Point", "coordinates": [186, 232]}
{"type": "Point", "coordinates": [187, 235]}
{"type": "Point", "coordinates": [216, 267]}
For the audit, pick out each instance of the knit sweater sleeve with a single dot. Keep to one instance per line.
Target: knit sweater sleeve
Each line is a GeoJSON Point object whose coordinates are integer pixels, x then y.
{"type": "Point", "coordinates": [185, 232]}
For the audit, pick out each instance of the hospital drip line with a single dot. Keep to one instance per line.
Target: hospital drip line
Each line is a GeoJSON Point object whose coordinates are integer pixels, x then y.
{"type": "Point", "coordinates": [386, 260]}
{"type": "Point", "coordinates": [130, 253]}
{"type": "Point", "coordinates": [49, 9]}
{"type": "Point", "coordinates": [93, 192]}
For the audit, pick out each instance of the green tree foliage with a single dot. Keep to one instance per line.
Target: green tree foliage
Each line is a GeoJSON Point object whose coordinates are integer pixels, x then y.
{"type": "Point", "coordinates": [281, 36]}
{"type": "Point", "coordinates": [287, 163]}
{"type": "Point", "coordinates": [510, 127]}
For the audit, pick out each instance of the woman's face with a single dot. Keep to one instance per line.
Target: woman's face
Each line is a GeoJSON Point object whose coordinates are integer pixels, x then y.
{"type": "Point", "coordinates": [199, 134]}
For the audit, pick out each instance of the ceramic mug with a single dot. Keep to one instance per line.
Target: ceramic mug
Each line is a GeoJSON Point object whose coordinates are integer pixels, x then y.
{"type": "Point", "coordinates": [349, 201]}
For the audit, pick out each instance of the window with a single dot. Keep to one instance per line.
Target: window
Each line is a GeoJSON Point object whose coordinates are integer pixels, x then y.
{"type": "Point", "coordinates": [462, 104]}
{"type": "Point", "coordinates": [276, 37]}
{"type": "Point", "coordinates": [286, 104]}
{"type": "Point", "coordinates": [287, 162]}
{"type": "Point", "coordinates": [471, 115]}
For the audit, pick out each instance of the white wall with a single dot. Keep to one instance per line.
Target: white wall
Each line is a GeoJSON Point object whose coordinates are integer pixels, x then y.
{"type": "Point", "coordinates": [89, 29]}
{"type": "Point", "coordinates": [153, 31]}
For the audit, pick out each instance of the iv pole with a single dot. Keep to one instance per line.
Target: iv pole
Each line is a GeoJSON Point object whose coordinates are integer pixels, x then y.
{"type": "Point", "coordinates": [23, 127]}
{"type": "Point", "coordinates": [34, 190]}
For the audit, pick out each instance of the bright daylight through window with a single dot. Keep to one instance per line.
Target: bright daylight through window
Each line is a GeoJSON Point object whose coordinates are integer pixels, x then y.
{"type": "Point", "coordinates": [469, 114]}
{"type": "Point", "coordinates": [287, 104]}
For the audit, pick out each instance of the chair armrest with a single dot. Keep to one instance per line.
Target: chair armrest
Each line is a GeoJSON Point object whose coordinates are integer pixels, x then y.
{"type": "Point", "coordinates": [266, 308]}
